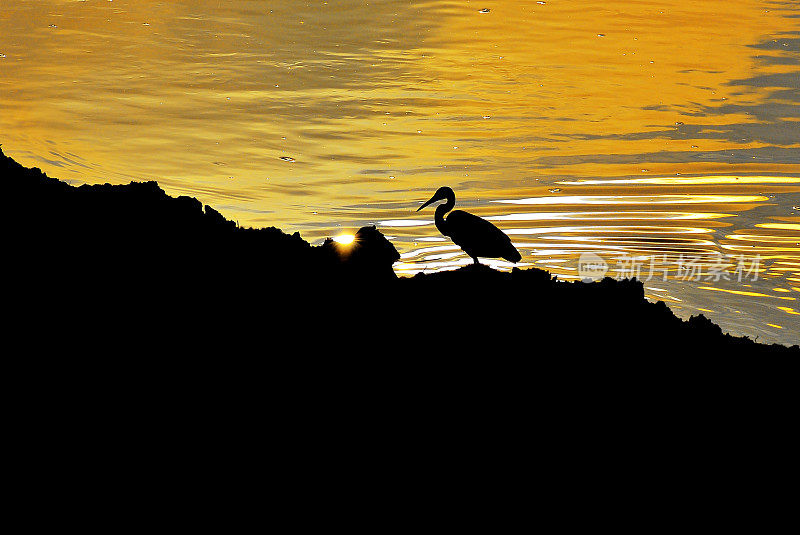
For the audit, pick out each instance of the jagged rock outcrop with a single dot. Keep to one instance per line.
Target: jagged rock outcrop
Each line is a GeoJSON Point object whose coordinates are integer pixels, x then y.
{"type": "Point", "coordinates": [131, 253]}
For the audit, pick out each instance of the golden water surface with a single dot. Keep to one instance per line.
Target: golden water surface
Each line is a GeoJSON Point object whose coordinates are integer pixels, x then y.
{"type": "Point", "coordinates": [663, 137]}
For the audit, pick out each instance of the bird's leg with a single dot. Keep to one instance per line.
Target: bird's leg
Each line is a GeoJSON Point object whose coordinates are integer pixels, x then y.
{"type": "Point", "coordinates": [475, 259]}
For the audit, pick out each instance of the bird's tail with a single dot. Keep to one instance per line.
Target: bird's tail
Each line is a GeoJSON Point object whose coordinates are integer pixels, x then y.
{"type": "Point", "coordinates": [512, 255]}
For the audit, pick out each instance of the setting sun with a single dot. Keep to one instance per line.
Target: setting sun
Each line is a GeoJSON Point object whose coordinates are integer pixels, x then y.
{"type": "Point", "coordinates": [344, 239]}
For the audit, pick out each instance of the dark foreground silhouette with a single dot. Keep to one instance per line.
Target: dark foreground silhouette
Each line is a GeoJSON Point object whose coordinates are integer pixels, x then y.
{"type": "Point", "coordinates": [125, 266]}
{"type": "Point", "coordinates": [158, 358]}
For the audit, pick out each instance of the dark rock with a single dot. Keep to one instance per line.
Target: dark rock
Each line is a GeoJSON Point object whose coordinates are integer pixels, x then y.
{"type": "Point", "coordinates": [122, 257]}
{"type": "Point", "coordinates": [369, 257]}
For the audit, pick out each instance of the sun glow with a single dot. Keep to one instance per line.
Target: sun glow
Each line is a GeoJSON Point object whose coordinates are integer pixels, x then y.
{"type": "Point", "coordinates": [345, 239]}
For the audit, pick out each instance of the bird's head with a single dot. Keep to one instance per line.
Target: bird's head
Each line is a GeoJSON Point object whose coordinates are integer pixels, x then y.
{"type": "Point", "coordinates": [442, 193]}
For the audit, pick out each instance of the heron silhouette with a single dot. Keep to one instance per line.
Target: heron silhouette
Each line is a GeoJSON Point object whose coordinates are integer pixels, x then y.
{"type": "Point", "coordinates": [476, 236]}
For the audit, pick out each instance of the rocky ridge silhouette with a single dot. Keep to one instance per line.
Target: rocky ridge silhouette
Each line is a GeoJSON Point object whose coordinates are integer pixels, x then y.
{"type": "Point", "coordinates": [117, 255]}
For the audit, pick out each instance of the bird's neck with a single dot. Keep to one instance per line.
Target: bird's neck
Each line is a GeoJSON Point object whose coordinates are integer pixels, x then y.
{"type": "Point", "coordinates": [441, 223]}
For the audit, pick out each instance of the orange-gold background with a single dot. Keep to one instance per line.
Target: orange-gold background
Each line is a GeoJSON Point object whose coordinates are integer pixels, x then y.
{"type": "Point", "coordinates": [668, 129]}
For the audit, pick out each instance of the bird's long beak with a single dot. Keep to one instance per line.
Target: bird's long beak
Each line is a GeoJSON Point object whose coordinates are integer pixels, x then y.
{"type": "Point", "coordinates": [431, 200]}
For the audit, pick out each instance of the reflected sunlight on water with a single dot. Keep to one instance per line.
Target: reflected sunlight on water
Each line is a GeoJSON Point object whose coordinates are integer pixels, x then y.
{"type": "Point", "coordinates": [666, 132]}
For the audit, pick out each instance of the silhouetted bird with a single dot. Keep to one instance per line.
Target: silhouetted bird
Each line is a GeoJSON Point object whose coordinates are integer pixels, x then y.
{"type": "Point", "coordinates": [476, 236]}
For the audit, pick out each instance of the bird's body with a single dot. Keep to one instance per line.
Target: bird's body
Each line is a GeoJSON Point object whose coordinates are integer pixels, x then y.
{"type": "Point", "coordinates": [476, 236]}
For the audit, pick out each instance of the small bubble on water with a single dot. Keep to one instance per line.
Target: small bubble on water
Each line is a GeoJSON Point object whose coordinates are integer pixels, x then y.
{"type": "Point", "coordinates": [554, 190]}
{"type": "Point", "coordinates": [484, 10]}
{"type": "Point", "coordinates": [678, 123]}
{"type": "Point", "coordinates": [287, 159]}
{"type": "Point", "coordinates": [601, 35]}
{"type": "Point", "coordinates": [645, 170]}
{"type": "Point", "coordinates": [2, 56]}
